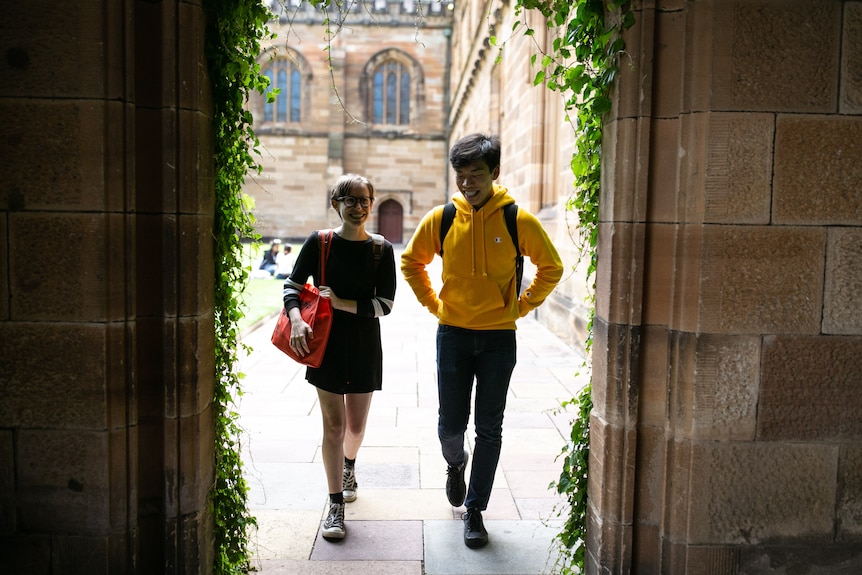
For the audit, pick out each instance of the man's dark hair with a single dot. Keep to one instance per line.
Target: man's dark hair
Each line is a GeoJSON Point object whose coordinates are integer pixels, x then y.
{"type": "Point", "coordinates": [474, 148]}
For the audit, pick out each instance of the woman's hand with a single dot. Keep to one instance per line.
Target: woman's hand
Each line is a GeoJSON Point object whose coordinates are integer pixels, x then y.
{"type": "Point", "coordinates": [300, 333]}
{"type": "Point", "coordinates": [347, 305]}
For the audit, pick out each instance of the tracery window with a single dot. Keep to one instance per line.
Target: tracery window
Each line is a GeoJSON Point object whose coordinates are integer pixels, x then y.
{"type": "Point", "coordinates": [391, 94]}
{"type": "Point", "coordinates": [283, 74]}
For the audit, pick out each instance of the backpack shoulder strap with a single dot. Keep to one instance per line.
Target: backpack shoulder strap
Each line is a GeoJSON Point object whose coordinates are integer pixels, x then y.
{"type": "Point", "coordinates": [377, 249]}
{"type": "Point", "coordinates": [446, 222]}
{"type": "Point", "coordinates": [510, 211]}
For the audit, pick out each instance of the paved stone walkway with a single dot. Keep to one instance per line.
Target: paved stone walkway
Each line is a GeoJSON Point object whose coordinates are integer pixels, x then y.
{"type": "Point", "coordinates": [401, 522]}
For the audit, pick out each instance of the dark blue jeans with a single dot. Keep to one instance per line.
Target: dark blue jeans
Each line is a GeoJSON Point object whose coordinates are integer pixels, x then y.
{"type": "Point", "coordinates": [489, 357]}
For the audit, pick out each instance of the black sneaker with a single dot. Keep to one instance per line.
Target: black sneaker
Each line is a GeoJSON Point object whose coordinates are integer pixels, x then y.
{"type": "Point", "coordinates": [333, 525]}
{"type": "Point", "coordinates": [348, 478]}
{"type": "Point", "coordinates": [475, 535]}
{"type": "Point", "coordinates": [456, 489]}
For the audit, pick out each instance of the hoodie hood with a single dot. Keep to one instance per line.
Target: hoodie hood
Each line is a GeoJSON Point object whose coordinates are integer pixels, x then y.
{"type": "Point", "coordinates": [481, 232]}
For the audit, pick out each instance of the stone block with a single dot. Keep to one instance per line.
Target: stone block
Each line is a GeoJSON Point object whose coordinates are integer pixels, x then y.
{"type": "Point", "coordinates": [619, 277]}
{"type": "Point", "coordinates": [25, 554]}
{"type": "Point", "coordinates": [676, 501]}
{"type": "Point", "coordinates": [158, 266]}
{"type": "Point", "coordinates": [696, 84]}
{"type": "Point", "coordinates": [4, 265]}
{"type": "Point", "coordinates": [793, 44]}
{"type": "Point", "coordinates": [817, 170]}
{"type": "Point", "coordinates": [634, 89]}
{"type": "Point", "coordinates": [687, 270]}
{"type": "Point", "coordinates": [851, 60]}
{"type": "Point", "coordinates": [53, 374]}
{"type": "Point", "coordinates": [63, 142]}
{"type": "Point", "coordinates": [86, 291]}
{"type": "Point", "coordinates": [716, 391]}
{"type": "Point", "coordinates": [659, 273]}
{"type": "Point", "coordinates": [624, 182]}
{"type": "Point", "coordinates": [665, 198]}
{"type": "Point", "coordinates": [612, 464]}
{"type": "Point", "coordinates": [761, 279]}
{"type": "Point", "coordinates": [69, 48]}
{"type": "Point", "coordinates": [608, 544]}
{"type": "Point", "coordinates": [751, 493]}
{"type": "Point", "coordinates": [615, 373]}
{"type": "Point", "coordinates": [850, 494]}
{"type": "Point", "coordinates": [842, 298]}
{"type": "Point", "coordinates": [798, 558]}
{"type": "Point", "coordinates": [63, 483]}
{"type": "Point", "coordinates": [195, 170]}
{"type": "Point", "coordinates": [646, 550]}
{"type": "Point", "coordinates": [655, 380]}
{"type": "Point", "coordinates": [196, 454]}
{"type": "Point", "coordinates": [737, 186]}
{"type": "Point", "coordinates": [711, 560]}
{"type": "Point", "coordinates": [156, 178]}
{"type": "Point", "coordinates": [196, 384]}
{"type": "Point", "coordinates": [669, 61]}
{"type": "Point", "coordinates": [810, 389]}
{"type": "Point", "coordinates": [195, 266]}
{"type": "Point", "coordinates": [75, 555]}
{"type": "Point", "coordinates": [7, 483]}
{"type": "Point", "coordinates": [651, 458]}
{"type": "Point", "coordinates": [194, 88]}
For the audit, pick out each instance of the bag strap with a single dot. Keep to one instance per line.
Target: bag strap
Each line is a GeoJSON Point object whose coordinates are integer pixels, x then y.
{"type": "Point", "coordinates": [510, 213]}
{"type": "Point", "coordinates": [446, 223]}
{"type": "Point", "coordinates": [325, 237]}
{"type": "Point", "coordinates": [377, 250]}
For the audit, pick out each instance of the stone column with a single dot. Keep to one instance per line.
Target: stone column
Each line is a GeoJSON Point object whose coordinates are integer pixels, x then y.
{"type": "Point", "coordinates": [106, 289]}
{"type": "Point", "coordinates": [728, 344]}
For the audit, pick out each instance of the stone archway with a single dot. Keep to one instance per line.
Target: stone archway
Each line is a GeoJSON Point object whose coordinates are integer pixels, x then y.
{"type": "Point", "coordinates": [391, 221]}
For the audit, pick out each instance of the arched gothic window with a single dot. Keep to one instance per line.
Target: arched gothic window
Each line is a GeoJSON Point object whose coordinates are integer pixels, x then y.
{"type": "Point", "coordinates": [391, 93]}
{"type": "Point", "coordinates": [284, 74]}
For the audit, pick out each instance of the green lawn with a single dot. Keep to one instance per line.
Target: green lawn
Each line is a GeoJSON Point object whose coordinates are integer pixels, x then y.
{"type": "Point", "coordinates": [262, 297]}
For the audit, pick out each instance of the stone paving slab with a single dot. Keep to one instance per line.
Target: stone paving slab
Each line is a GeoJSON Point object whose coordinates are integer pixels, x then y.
{"type": "Point", "coordinates": [514, 548]}
{"type": "Point", "coordinates": [373, 540]}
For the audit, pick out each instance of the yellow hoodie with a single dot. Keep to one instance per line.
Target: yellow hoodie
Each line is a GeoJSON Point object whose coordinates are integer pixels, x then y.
{"type": "Point", "coordinates": [479, 264]}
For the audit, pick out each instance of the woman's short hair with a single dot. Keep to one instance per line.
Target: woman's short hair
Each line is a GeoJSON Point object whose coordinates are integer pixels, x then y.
{"type": "Point", "coordinates": [345, 183]}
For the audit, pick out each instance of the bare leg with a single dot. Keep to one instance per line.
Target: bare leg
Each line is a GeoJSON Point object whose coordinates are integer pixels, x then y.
{"type": "Point", "coordinates": [333, 412]}
{"type": "Point", "coordinates": [357, 406]}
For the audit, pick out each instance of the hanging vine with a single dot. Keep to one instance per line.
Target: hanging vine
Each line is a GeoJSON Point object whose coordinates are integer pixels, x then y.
{"type": "Point", "coordinates": [582, 64]}
{"type": "Point", "coordinates": [235, 29]}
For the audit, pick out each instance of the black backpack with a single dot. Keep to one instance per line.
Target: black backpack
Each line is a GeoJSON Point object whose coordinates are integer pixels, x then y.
{"type": "Point", "coordinates": [510, 212]}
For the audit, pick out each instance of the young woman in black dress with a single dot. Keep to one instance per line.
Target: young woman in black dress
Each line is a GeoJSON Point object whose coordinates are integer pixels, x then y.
{"type": "Point", "coordinates": [360, 283]}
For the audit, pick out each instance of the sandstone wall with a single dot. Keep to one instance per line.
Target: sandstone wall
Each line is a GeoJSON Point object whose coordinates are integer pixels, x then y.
{"type": "Point", "coordinates": [106, 289]}
{"type": "Point", "coordinates": [727, 363]}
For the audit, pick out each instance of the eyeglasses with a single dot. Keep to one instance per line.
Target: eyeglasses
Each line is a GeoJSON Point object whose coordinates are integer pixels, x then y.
{"type": "Point", "coordinates": [351, 201]}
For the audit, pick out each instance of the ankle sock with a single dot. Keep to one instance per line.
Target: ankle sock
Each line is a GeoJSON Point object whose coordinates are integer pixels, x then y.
{"type": "Point", "coordinates": [336, 498]}
{"type": "Point", "coordinates": [349, 462]}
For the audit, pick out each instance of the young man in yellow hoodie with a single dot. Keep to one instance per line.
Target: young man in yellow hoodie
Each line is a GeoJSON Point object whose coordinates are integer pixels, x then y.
{"type": "Point", "coordinates": [477, 307]}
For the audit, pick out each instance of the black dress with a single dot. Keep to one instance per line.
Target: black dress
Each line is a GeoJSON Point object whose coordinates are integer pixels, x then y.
{"type": "Point", "coordinates": [353, 361]}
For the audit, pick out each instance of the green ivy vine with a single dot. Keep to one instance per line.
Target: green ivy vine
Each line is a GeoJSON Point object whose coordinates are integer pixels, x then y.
{"type": "Point", "coordinates": [235, 29]}
{"type": "Point", "coordinates": [582, 65]}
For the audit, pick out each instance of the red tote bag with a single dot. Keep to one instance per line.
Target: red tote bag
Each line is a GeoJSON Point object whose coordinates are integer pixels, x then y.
{"type": "Point", "coordinates": [316, 311]}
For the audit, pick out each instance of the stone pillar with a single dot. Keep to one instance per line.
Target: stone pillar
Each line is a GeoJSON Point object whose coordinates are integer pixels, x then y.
{"type": "Point", "coordinates": [728, 337]}
{"type": "Point", "coordinates": [106, 289]}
